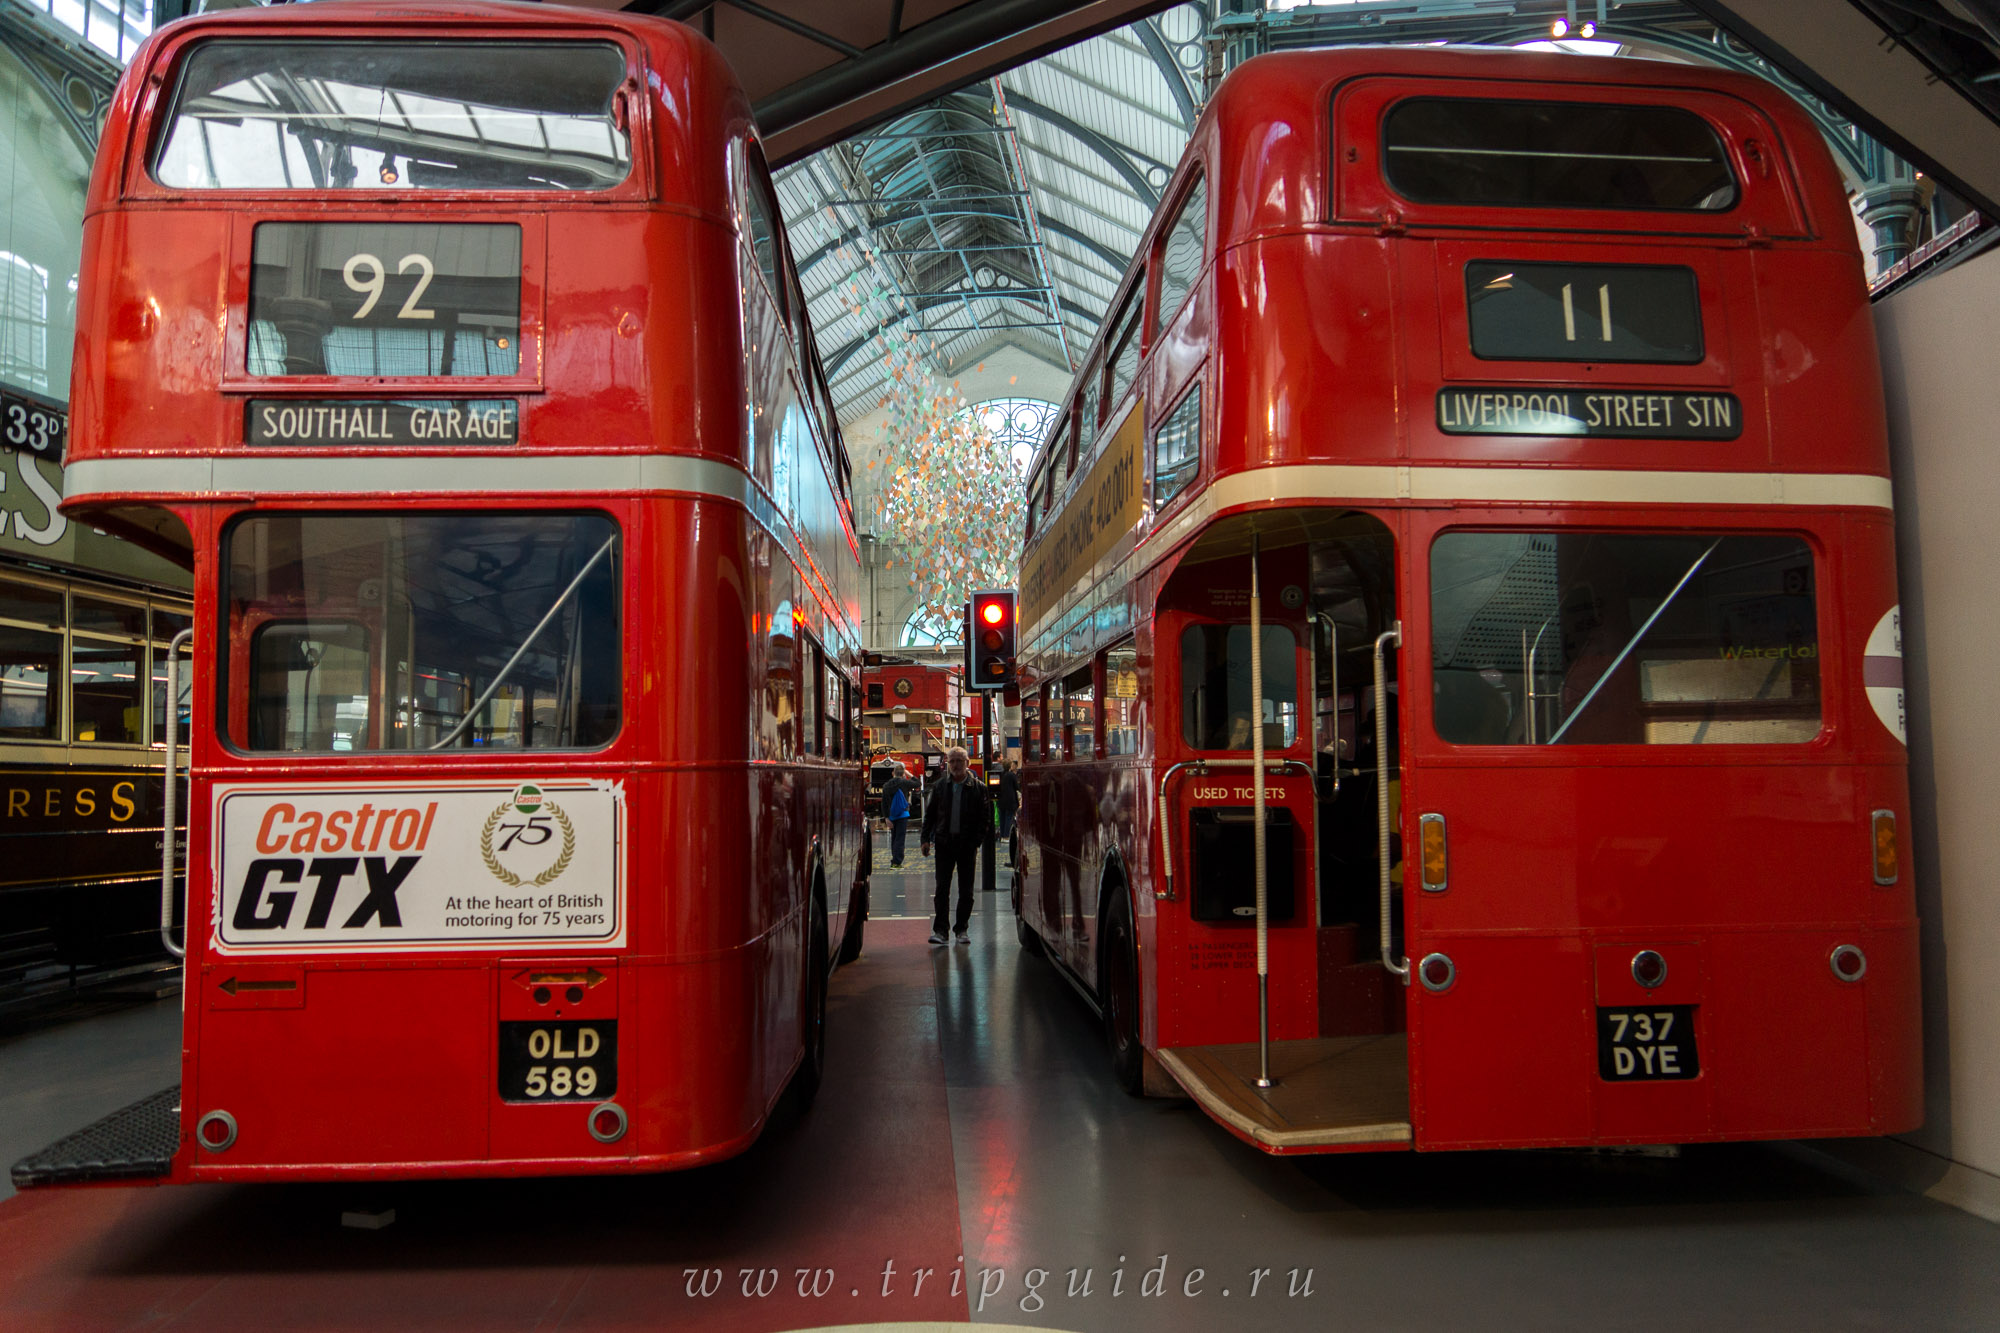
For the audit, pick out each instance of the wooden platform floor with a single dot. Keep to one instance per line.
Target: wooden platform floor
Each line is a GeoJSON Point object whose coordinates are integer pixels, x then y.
{"type": "Point", "coordinates": [1331, 1091]}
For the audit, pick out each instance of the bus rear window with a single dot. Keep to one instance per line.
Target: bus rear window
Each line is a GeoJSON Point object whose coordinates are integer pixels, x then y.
{"type": "Point", "coordinates": [1581, 638]}
{"type": "Point", "coordinates": [465, 632]}
{"type": "Point", "coordinates": [293, 115]}
{"type": "Point", "coordinates": [1484, 151]}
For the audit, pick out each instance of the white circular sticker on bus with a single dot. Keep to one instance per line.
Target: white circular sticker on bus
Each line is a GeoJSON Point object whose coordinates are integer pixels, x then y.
{"type": "Point", "coordinates": [1882, 671]}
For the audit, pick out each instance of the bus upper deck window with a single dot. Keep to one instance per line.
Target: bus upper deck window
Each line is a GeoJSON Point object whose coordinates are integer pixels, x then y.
{"type": "Point", "coordinates": [347, 115]}
{"type": "Point", "coordinates": [1486, 151]}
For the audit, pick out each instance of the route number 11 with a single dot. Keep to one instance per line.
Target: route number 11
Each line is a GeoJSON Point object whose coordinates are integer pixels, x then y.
{"type": "Point", "coordinates": [1603, 310]}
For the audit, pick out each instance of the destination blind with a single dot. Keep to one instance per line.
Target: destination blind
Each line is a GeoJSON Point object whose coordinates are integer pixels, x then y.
{"type": "Point", "coordinates": [1622, 414]}
{"type": "Point", "coordinates": [347, 422]}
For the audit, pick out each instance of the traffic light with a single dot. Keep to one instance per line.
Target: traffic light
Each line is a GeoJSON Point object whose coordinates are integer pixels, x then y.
{"type": "Point", "coordinates": [989, 640]}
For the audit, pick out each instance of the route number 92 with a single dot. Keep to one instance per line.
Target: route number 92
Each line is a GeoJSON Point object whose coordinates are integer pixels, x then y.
{"type": "Point", "coordinates": [364, 273]}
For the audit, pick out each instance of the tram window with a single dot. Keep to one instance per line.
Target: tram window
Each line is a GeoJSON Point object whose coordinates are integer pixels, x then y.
{"type": "Point", "coordinates": [1486, 151]}
{"type": "Point", "coordinates": [106, 694]}
{"type": "Point", "coordinates": [1121, 699]}
{"type": "Point", "coordinates": [335, 115]}
{"type": "Point", "coordinates": [1579, 638]}
{"type": "Point", "coordinates": [31, 605]}
{"type": "Point", "coordinates": [1079, 715]}
{"type": "Point", "coordinates": [1125, 360]}
{"type": "Point", "coordinates": [88, 615]}
{"type": "Point", "coordinates": [423, 631]}
{"type": "Point", "coordinates": [30, 677]}
{"type": "Point", "coordinates": [166, 624]}
{"type": "Point", "coordinates": [1182, 252]}
{"type": "Point", "coordinates": [1215, 687]}
{"type": "Point", "coordinates": [1177, 449]}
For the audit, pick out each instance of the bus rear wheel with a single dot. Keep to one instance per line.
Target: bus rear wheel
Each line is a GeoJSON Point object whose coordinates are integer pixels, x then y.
{"type": "Point", "coordinates": [1118, 994]}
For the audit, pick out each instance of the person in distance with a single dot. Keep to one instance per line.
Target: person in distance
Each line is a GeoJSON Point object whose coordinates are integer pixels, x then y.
{"type": "Point", "coordinates": [896, 805]}
{"type": "Point", "coordinates": [958, 819]}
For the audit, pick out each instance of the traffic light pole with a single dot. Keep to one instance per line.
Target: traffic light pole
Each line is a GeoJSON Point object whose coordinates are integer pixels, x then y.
{"type": "Point", "coordinates": [987, 874]}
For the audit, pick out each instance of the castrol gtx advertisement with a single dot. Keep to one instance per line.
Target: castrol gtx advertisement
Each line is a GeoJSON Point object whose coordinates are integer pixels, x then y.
{"type": "Point", "coordinates": [381, 868]}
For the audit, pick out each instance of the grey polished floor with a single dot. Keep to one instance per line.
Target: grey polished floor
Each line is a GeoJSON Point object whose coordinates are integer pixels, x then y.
{"type": "Point", "coordinates": [1059, 1180]}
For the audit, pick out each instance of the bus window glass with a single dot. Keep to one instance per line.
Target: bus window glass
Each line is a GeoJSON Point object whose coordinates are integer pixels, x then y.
{"type": "Point", "coordinates": [1177, 449]}
{"type": "Point", "coordinates": [1215, 687]}
{"type": "Point", "coordinates": [1542, 638]}
{"type": "Point", "coordinates": [1125, 360]}
{"type": "Point", "coordinates": [1031, 726]}
{"type": "Point", "coordinates": [1079, 715]}
{"type": "Point", "coordinates": [467, 631]}
{"type": "Point", "coordinates": [1486, 151]}
{"type": "Point", "coordinates": [812, 667]}
{"type": "Point", "coordinates": [293, 115]}
{"type": "Point", "coordinates": [384, 299]}
{"type": "Point", "coordinates": [1182, 252]}
{"type": "Point", "coordinates": [1086, 414]}
{"type": "Point", "coordinates": [764, 231]}
{"type": "Point", "coordinates": [1121, 700]}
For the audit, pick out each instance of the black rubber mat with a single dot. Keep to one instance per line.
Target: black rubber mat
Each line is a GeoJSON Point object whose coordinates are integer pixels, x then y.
{"type": "Point", "coordinates": [136, 1143]}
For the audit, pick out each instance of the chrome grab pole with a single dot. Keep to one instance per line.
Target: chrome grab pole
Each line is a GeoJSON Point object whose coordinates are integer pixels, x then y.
{"type": "Point", "coordinates": [1257, 825]}
{"type": "Point", "coordinates": [1393, 636]}
{"type": "Point", "coordinates": [169, 800]}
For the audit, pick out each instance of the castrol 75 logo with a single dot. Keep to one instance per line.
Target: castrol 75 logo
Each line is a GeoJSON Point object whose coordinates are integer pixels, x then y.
{"type": "Point", "coordinates": [381, 868]}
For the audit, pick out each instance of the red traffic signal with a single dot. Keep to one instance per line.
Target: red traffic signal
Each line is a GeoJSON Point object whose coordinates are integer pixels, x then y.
{"type": "Point", "coordinates": [989, 651]}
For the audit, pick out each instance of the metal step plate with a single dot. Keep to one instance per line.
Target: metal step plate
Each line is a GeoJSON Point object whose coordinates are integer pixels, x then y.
{"type": "Point", "coordinates": [136, 1143]}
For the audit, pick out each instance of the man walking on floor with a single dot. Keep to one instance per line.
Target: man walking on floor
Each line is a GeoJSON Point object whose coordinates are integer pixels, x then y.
{"type": "Point", "coordinates": [958, 819]}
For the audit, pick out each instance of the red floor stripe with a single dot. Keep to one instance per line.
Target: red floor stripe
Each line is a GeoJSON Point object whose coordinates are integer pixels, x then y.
{"type": "Point", "coordinates": [866, 1180]}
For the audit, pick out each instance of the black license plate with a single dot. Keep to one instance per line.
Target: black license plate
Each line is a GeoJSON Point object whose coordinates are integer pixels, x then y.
{"type": "Point", "coordinates": [1650, 1042]}
{"type": "Point", "coordinates": [559, 1061]}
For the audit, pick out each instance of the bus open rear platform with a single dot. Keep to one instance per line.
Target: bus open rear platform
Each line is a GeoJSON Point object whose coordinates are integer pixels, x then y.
{"type": "Point", "coordinates": [135, 1143]}
{"type": "Point", "coordinates": [1332, 1092]}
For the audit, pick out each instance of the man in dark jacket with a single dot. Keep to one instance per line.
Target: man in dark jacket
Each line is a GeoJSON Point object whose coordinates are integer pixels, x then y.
{"type": "Point", "coordinates": [958, 819]}
{"type": "Point", "coordinates": [1010, 802]}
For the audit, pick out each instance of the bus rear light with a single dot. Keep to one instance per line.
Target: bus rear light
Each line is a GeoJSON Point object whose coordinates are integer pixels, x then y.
{"type": "Point", "coordinates": [1887, 861]}
{"type": "Point", "coordinates": [1649, 969]}
{"type": "Point", "coordinates": [607, 1122]}
{"type": "Point", "coordinates": [1848, 962]}
{"type": "Point", "coordinates": [1432, 827]}
{"type": "Point", "coordinates": [216, 1131]}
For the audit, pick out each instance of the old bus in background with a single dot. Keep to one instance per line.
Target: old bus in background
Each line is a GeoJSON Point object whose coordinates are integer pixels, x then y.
{"type": "Point", "coordinates": [1460, 622]}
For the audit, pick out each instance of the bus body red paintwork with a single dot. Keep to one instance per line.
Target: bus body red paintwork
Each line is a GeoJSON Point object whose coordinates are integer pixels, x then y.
{"type": "Point", "coordinates": [651, 378]}
{"type": "Point", "coordinates": [1327, 317]}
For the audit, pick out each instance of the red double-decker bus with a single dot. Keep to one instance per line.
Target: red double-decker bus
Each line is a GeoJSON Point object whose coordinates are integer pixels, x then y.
{"type": "Point", "coordinates": [1463, 702]}
{"type": "Point", "coordinates": [459, 352]}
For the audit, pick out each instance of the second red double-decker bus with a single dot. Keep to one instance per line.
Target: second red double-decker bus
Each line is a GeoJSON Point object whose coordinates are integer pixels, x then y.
{"type": "Point", "coordinates": [459, 352]}
{"type": "Point", "coordinates": [1464, 703]}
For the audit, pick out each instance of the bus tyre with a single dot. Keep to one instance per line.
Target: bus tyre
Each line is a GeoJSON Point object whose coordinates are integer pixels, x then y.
{"type": "Point", "coordinates": [1119, 994]}
{"type": "Point", "coordinates": [857, 921]}
{"type": "Point", "coordinates": [812, 1067]}
{"type": "Point", "coordinates": [1031, 943]}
